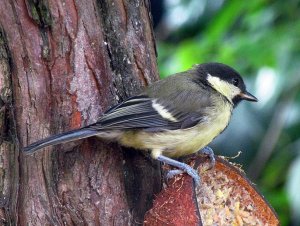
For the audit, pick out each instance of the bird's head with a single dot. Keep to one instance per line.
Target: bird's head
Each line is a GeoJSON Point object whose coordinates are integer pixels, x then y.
{"type": "Point", "coordinates": [226, 81]}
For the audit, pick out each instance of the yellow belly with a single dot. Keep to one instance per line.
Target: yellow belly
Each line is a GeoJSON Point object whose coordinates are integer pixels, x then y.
{"type": "Point", "coordinates": [176, 143]}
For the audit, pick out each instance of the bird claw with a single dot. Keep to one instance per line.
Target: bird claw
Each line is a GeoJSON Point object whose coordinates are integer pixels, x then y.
{"type": "Point", "coordinates": [173, 173]}
{"type": "Point", "coordinates": [190, 171]}
{"type": "Point", "coordinates": [182, 168]}
{"type": "Point", "coordinates": [194, 174]}
{"type": "Point", "coordinates": [210, 153]}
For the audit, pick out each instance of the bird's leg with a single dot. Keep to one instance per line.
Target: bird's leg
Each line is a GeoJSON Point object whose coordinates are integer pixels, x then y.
{"type": "Point", "coordinates": [205, 151]}
{"type": "Point", "coordinates": [182, 166]}
{"type": "Point", "coordinates": [210, 153]}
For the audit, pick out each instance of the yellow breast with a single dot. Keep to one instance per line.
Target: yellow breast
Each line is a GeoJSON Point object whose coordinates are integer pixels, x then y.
{"type": "Point", "coordinates": [176, 143]}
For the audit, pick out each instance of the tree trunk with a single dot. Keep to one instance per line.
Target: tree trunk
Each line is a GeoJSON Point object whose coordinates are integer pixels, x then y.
{"type": "Point", "coordinates": [62, 64]}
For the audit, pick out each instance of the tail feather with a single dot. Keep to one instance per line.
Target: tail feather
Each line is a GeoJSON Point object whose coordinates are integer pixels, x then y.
{"type": "Point", "coordinates": [59, 138]}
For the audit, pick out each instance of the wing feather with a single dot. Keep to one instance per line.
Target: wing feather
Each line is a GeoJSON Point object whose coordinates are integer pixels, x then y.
{"type": "Point", "coordinates": [138, 112]}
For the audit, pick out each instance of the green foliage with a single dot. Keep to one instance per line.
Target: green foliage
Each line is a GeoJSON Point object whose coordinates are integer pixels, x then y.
{"type": "Point", "coordinates": [250, 36]}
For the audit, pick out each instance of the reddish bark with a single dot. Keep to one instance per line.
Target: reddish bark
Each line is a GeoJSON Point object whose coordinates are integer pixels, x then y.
{"type": "Point", "coordinates": [63, 63]}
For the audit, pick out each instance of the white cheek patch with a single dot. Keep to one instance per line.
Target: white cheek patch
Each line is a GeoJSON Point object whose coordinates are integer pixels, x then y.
{"type": "Point", "coordinates": [226, 89]}
{"type": "Point", "coordinates": [163, 111]}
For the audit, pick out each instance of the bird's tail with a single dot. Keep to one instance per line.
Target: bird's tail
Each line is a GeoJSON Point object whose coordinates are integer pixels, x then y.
{"type": "Point", "coordinates": [60, 138]}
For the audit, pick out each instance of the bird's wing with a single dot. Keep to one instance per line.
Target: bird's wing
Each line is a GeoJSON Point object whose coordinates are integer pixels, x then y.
{"type": "Point", "coordinates": [143, 112]}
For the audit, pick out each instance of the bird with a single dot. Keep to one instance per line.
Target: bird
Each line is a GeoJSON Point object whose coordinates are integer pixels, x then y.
{"type": "Point", "coordinates": [172, 118]}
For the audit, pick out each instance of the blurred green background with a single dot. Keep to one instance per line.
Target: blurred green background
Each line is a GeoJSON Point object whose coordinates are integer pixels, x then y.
{"type": "Point", "coordinates": [261, 40]}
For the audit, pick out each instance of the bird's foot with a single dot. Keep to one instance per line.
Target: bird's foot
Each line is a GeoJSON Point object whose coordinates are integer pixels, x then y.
{"type": "Point", "coordinates": [210, 153]}
{"type": "Point", "coordinates": [173, 173]}
{"type": "Point", "coordinates": [182, 168]}
{"type": "Point", "coordinates": [193, 173]}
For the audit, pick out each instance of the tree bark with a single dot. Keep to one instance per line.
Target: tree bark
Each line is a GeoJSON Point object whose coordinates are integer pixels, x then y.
{"type": "Point", "coordinates": [62, 64]}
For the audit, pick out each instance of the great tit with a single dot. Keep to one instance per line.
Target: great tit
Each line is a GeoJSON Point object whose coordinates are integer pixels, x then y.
{"type": "Point", "coordinates": [173, 117]}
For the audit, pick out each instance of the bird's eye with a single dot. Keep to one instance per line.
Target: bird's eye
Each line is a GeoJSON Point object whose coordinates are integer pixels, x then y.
{"type": "Point", "coordinates": [235, 82]}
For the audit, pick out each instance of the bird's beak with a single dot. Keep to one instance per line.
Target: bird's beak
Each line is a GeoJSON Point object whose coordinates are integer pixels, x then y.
{"type": "Point", "coordinates": [248, 96]}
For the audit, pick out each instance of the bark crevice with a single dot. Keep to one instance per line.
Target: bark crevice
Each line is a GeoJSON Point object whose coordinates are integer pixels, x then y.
{"type": "Point", "coordinates": [71, 62]}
